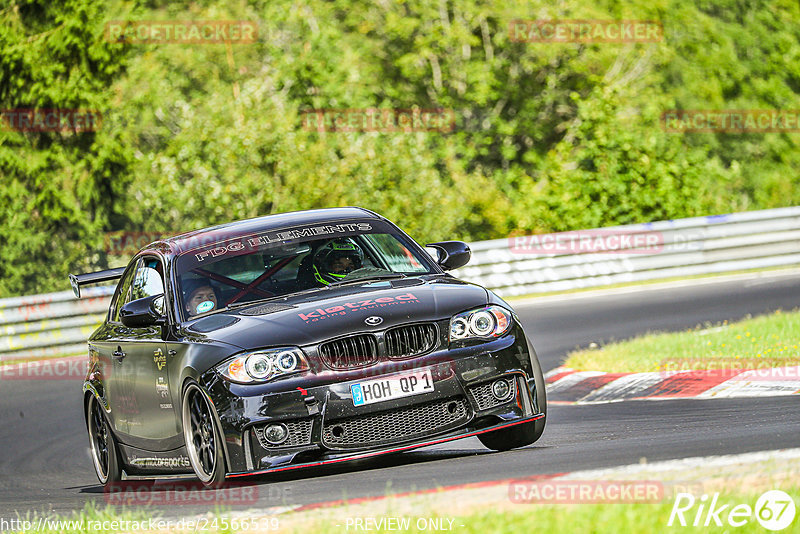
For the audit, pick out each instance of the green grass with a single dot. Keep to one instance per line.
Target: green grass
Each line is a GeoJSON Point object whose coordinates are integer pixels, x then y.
{"type": "Point", "coordinates": [88, 520]}
{"type": "Point", "coordinates": [579, 518]}
{"type": "Point", "coordinates": [92, 520]}
{"type": "Point", "coordinates": [765, 341]}
{"type": "Point", "coordinates": [587, 518]}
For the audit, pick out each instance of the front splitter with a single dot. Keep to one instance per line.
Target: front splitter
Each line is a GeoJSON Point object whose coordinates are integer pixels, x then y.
{"type": "Point", "coordinates": [380, 452]}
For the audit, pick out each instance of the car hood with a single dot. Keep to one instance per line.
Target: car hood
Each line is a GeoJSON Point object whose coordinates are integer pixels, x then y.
{"type": "Point", "coordinates": [311, 318]}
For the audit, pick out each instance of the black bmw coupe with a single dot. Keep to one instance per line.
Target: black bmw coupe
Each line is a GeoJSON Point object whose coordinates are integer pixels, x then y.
{"type": "Point", "coordinates": [296, 340]}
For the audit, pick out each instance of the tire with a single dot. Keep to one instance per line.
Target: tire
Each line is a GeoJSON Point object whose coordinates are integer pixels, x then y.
{"type": "Point", "coordinates": [510, 438]}
{"type": "Point", "coordinates": [203, 438]}
{"type": "Point", "coordinates": [541, 394]}
{"type": "Point", "coordinates": [103, 445]}
{"type": "Point", "coordinates": [527, 433]}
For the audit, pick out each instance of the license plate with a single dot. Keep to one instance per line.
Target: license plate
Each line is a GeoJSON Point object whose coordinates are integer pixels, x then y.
{"type": "Point", "coordinates": [391, 387]}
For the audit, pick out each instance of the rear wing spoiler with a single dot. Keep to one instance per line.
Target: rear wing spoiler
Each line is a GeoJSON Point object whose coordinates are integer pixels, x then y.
{"type": "Point", "coordinates": [78, 280]}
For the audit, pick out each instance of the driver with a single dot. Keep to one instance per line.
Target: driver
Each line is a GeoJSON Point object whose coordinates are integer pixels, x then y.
{"type": "Point", "coordinates": [337, 259]}
{"type": "Point", "coordinates": [199, 297]}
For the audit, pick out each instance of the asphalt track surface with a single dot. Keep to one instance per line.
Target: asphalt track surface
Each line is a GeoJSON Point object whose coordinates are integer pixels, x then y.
{"type": "Point", "coordinates": [45, 465]}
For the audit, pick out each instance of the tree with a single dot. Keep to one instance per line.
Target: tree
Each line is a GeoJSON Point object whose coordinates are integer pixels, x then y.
{"type": "Point", "coordinates": [59, 188]}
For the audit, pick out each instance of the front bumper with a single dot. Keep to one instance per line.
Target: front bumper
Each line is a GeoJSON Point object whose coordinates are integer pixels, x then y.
{"type": "Point", "coordinates": [332, 459]}
{"type": "Point", "coordinates": [325, 426]}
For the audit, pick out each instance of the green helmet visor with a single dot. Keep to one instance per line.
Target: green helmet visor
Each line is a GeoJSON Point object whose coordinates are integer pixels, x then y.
{"type": "Point", "coordinates": [336, 261]}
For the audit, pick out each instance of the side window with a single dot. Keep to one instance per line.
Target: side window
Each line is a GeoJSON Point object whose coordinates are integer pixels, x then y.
{"type": "Point", "coordinates": [122, 296]}
{"type": "Point", "coordinates": [399, 258]}
{"type": "Point", "coordinates": [142, 281]}
{"type": "Point", "coordinates": [147, 282]}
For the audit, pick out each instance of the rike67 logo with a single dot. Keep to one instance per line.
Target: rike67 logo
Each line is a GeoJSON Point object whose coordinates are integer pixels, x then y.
{"type": "Point", "coordinates": [774, 510]}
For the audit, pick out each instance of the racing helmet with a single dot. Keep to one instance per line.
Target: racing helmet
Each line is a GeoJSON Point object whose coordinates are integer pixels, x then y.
{"type": "Point", "coordinates": [336, 259]}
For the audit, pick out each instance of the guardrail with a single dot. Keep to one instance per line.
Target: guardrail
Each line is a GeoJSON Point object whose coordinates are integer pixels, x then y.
{"type": "Point", "coordinates": [683, 247]}
{"type": "Point", "coordinates": [53, 324]}
{"type": "Point", "coordinates": [58, 324]}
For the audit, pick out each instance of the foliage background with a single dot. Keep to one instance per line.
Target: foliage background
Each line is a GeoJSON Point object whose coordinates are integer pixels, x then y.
{"type": "Point", "coordinates": [548, 137]}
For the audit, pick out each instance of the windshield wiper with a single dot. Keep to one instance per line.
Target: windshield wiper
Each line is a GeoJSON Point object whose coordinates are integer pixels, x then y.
{"type": "Point", "coordinates": [284, 296]}
{"type": "Point", "coordinates": [371, 278]}
{"type": "Point", "coordinates": [237, 305]}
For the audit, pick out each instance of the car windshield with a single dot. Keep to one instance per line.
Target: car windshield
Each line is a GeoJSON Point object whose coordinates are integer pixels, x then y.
{"type": "Point", "coordinates": [238, 270]}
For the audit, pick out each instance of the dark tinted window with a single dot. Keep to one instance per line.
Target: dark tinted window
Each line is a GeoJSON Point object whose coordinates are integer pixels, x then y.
{"type": "Point", "coordinates": [144, 280]}
{"type": "Point", "coordinates": [282, 262]}
{"type": "Point", "coordinates": [147, 282]}
{"type": "Point", "coordinates": [121, 297]}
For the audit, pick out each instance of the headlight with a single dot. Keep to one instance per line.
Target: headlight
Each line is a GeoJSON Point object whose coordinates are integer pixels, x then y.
{"type": "Point", "coordinates": [263, 365]}
{"type": "Point", "coordinates": [259, 366]}
{"type": "Point", "coordinates": [487, 322]}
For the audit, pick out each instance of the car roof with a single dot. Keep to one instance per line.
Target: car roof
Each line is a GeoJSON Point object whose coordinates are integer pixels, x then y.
{"type": "Point", "coordinates": [189, 240]}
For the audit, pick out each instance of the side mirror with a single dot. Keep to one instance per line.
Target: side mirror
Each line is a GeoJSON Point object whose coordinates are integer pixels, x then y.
{"type": "Point", "coordinates": [452, 254]}
{"type": "Point", "coordinates": [141, 313]}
